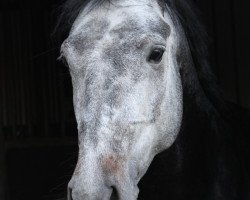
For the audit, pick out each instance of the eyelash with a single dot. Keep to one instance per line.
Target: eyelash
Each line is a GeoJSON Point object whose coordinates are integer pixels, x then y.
{"type": "Point", "coordinates": [63, 60]}
{"type": "Point", "coordinates": [162, 5]}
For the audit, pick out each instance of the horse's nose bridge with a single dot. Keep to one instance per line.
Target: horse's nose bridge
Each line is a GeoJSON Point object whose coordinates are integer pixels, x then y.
{"type": "Point", "coordinates": [88, 182]}
{"type": "Point", "coordinates": [97, 178]}
{"type": "Point", "coordinates": [111, 182]}
{"type": "Point", "coordinates": [103, 161]}
{"type": "Point", "coordinates": [80, 191]}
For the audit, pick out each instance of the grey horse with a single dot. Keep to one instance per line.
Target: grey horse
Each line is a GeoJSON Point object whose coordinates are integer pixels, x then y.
{"type": "Point", "coordinates": [134, 70]}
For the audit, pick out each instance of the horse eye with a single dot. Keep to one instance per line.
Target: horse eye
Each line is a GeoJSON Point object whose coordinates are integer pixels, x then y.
{"type": "Point", "coordinates": [156, 55]}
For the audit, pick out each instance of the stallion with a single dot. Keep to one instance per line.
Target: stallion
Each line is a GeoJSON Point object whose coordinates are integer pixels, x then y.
{"type": "Point", "coordinates": [143, 90]}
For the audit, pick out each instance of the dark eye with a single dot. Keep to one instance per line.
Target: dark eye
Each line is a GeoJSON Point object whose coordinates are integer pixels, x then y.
{"type": "Point", "coordinates": [156, 55]}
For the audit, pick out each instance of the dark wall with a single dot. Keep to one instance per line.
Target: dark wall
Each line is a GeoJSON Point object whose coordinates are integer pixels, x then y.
{"type": "Point", "coordinates": [227, 23]}
{"type": "Point", "coordinates": [35, 88]}
{"type": "Point", "coordinates": [37, 124]}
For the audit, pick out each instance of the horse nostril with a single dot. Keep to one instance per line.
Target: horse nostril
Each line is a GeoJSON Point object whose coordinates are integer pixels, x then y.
{"type": "Point", "coordinates": [69, 194]}
{"type": "Point", "coordinates": [114, 195]}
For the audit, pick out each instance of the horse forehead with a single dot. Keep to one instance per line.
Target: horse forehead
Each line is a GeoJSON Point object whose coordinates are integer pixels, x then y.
{"type": "Point", "coordinates": [116, 13]}
{"type": "Point", "coordinates": [129, 23]}
{"type": "Point", "coordinates": [94, 30]}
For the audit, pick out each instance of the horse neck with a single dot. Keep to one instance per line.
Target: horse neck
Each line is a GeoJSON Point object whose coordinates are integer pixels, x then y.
{"type": "Point", "coordinates": [206, 150]}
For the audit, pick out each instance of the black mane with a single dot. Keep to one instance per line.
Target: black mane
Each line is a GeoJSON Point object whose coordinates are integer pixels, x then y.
{"type": "Point", "coordinates": [205, 158]}
{"type": "Point", "coordinates": [69, 11]}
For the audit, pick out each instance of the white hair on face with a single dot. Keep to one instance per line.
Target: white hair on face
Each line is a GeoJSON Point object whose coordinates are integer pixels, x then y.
{"type": "Point", "coordinates": [127, 108]}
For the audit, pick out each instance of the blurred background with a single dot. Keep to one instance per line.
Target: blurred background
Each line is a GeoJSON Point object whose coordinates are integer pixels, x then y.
{"type": "Point", "coordinates": [38, 137]}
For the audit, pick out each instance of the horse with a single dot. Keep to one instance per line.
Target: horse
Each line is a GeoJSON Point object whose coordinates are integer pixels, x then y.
{"type": "Point", "coordinates": [149, 111]}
